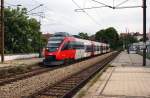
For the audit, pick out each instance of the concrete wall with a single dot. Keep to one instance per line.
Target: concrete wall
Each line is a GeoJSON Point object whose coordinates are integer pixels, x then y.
{"type": "Point", "coordinates": [19, 56]}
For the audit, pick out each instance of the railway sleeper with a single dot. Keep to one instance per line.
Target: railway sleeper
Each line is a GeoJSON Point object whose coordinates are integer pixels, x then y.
{"type": "Point", "coordinates": [66, 86]}
{"type": "Point", "coordinates": [58, 87]}
{"type": "Point", "coordinates": [72, 80]}
{"type": "Point", "coordinates": [56, 93]}
{"type": "Point", "coordinates": [51, 95]}
{"type": "Point", "coordinates": [43, 96]}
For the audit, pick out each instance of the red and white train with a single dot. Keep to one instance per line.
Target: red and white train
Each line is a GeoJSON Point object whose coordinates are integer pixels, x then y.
{"type": "Point", "coordinates": [62, 48]}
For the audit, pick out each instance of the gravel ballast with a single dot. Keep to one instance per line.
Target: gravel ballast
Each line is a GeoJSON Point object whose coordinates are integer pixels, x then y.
{"type": "Point", "coordinates": [33, 84]}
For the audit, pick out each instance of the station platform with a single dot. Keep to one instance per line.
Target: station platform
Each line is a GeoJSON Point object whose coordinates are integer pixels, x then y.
{"type": "Point", "coordinates": [21, 62]}
{"type": "Point", "coordinates": [126, 78]}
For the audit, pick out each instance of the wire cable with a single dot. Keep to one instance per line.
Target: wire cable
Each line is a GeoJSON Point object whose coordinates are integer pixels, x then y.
{"type": "Point", "coordinates": [124, 7]}
{"type": "Point", "coordinates": [84, 4]}
{"type": "Point", "coordinates": [113, 3]}
{"type": "Point", "coordinates": [66, 21]}
{"type": "Point", "coordinates": [13, 4]}
{"type": "Point", "coordinates": [121, 3]}
{"type": "Point", "coordinates": [35, 8]}
{"type": "Point", "coordinates": [86, 13]}
{"type": "Point", "coordinates": [81, 10]}
{"type": "Point", "coordinates": [102, 4]}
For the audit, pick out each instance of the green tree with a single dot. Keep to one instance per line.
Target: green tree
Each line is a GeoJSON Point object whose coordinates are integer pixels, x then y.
{"type": "Point", "coordinates": [109, 36]}
{"type": "Point", "coordinates": [83, 35]}
{"type": "Point", "coordinates": [142, 39]}
{"type": "Point", "coordinates": [22, 34]}
{"type": "Point", "coordinates": [127, 40]}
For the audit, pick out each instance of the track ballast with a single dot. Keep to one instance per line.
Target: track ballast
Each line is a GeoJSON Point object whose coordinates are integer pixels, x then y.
{"type": "Point", "coordinates": [68, 87]}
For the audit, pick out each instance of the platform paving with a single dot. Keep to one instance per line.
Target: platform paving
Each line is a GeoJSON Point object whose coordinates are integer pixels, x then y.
{"type": "Point", "coordinates": [129, 60]}
{"type": "Point", "coordinates": [127, 79]}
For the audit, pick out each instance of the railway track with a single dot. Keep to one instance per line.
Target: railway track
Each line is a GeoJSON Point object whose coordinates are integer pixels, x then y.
{"type": "Point", "coordinates": [34, 71]}
{"type": "Point", "coordinates": [68, 87]}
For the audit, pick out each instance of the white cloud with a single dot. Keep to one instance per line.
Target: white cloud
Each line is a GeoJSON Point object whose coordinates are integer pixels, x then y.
{"type": "Point", "coordinates": [60, 15]}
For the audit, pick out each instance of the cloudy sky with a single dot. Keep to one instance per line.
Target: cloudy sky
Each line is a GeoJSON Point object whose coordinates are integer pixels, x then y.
{"type": "Point", "coordinates": [60, 15]}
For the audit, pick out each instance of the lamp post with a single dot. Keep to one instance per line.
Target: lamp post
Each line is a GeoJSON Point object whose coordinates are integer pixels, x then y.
{"type": "Point", "coordinates": [144, 32]}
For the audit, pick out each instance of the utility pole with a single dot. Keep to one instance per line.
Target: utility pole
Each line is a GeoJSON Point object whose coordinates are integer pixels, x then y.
{"type": "Point", "coordinates": [144, 32]}
{"type": "Point", "coordinates": [2, 31]}
{"type": "Point", "coordinates": [118, 6]}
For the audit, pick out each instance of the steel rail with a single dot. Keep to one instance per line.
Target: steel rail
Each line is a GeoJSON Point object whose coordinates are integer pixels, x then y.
{"type": "Point", "coordinates": [12, 78]}
{"type": "Point", "coordinates": [69, 86]}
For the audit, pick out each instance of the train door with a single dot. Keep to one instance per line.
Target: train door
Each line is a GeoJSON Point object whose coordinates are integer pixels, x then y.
{"type": "Point", "coordinates": [67, 51]}
{"type": "Point", "coordinates": [79, 50]}
{"type": "Point", "coordinates": [101, 48]}
{"type": "Point", "coordinates": [92, 49]}
{"type": "Point", "coordinates": [79, 53]}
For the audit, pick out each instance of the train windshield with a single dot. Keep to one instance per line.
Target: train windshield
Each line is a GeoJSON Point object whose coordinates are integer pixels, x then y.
{"type": "Point", "coordinates": [54, 43]}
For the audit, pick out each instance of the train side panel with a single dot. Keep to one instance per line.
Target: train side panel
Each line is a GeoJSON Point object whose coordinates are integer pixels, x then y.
{"type": "Point", "coordinates": [88, 48]}
{"type": "Point", "coordinates": [72, 48]}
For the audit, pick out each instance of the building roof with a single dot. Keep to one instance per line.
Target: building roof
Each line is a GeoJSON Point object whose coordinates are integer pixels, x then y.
{"type": "Point", "coordinates": [47, 36]}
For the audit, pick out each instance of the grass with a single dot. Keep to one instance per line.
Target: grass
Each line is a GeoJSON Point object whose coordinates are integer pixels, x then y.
{"type": "Point", "coordinates": [81, 94]}
{"type": "Point", "coordinates": [10, 71]}
{"type": "Point", "coordinates": [109, 65]}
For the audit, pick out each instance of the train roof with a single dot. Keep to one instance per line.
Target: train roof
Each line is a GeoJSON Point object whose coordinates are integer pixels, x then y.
{"type": "Point", "coordinates": [62, 34]}
{"type": "Point", "coordinates": [70, 37]}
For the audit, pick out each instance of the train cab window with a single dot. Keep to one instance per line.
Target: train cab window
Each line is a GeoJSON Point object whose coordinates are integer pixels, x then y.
{"type": "Point", "coordinates": [54, 43]}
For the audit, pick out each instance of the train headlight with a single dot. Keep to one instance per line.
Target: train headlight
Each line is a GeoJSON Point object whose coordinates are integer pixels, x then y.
{"type": "Point", "coordinates": [47, 49]}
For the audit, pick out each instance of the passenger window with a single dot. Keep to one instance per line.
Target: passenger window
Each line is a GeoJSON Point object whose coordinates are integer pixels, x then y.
{"type": "Point", "coordinates": [88, 48]}
{"type": "Point", "coordinates": [65, 46]}
{"type": "Point", "coordinates": [71, 45]}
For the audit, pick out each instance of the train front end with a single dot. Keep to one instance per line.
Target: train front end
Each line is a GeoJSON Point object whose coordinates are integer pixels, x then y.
{"type": "Point", "coordinates": [53, 49]}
